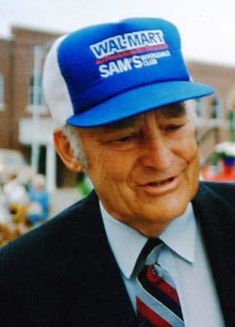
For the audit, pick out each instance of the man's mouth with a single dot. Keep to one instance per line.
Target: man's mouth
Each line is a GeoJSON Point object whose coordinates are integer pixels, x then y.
{"type": "Point", "coordinates": [160, 186]}
{"type": "Point", "coordinates": [163, 182]}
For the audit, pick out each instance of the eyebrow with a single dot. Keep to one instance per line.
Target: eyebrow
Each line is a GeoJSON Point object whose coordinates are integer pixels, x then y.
{"type": "Point", "coordinates": [175, 110]}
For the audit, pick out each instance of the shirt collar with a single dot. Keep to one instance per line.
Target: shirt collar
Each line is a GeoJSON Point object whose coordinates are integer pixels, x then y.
{"type": "Point", "coordinates": [180, 235]}
{"type": "Point", "coordinates": [127, 243]}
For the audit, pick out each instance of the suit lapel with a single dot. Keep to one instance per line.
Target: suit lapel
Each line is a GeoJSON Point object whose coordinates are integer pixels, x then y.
{"type": "Point", "coordinates": [218, 231]}
{"type": "Point", "coordinates": [96, 295]}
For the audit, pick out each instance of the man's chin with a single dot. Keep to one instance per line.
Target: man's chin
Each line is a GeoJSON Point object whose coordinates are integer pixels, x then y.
{"type": "Point", "coordinates": [165, 212]}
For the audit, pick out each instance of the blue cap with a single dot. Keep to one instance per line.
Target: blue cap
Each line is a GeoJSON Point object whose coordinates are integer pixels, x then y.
{"type": "Point", "coordinates": [108, 72]}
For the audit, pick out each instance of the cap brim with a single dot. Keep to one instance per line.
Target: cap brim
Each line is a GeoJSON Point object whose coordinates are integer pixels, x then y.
{"type": "Point", "coordinates": [140, 100]}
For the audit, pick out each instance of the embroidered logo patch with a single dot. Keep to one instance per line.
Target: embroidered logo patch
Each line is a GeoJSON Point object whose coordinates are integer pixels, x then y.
{"type": "Point", "coordinates": [135, 50]}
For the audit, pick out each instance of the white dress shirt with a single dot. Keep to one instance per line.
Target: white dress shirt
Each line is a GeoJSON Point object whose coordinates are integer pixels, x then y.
{"type": "Point", "coordinates": [182, 255]}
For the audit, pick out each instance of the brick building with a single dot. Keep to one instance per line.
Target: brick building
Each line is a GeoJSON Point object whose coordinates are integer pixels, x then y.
{"type": "Point", "coordinates": [214, 127]}
{"type": "Point", "coordinates": [16, 69]}
{"type": "Point", "coordinates": [5, 92]}
{"type": "Point", "coordinates": [20, 97]}
{"type": "Point", "coordinates": [24, 120]}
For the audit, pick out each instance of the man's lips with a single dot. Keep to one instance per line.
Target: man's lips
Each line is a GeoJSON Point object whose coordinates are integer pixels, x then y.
{"type": "Point", "coordinates": [159, 186]}
{"type": "Point", "coordinates": [161, 182]}
{"type": "Point", "coordinates": [157, 181]}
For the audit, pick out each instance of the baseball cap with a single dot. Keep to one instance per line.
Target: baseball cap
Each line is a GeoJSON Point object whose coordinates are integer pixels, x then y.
{"type": "Point", "coordinates": [108, 72]}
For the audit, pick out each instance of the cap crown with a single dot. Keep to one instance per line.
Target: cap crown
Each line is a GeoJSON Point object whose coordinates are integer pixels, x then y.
{"type": "Point", "coordinates": [102, 61]}
{"type": "Point", "coordinates": [107, 72]}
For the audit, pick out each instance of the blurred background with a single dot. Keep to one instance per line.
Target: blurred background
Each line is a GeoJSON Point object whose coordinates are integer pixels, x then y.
{"type": "Point", "coordinates": [34, 185]}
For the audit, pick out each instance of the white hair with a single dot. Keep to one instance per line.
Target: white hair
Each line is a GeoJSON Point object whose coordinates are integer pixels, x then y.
{"type": "Point", "coordinates": [72, 134]}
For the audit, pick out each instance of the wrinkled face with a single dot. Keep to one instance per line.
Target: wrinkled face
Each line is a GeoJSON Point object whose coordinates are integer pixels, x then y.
{"type": "Point", "coordinates": [145, 169]}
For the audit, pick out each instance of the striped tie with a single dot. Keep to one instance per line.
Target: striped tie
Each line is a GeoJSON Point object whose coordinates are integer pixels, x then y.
{"type": "Point", "coordinates": [157, 301]}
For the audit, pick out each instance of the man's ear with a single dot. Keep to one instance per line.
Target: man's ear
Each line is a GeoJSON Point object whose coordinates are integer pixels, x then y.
{"type": "Point", "coordinates": [65, 152]}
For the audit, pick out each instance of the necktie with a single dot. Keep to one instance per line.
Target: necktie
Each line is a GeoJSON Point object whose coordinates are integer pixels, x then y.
{"type": "Point", "coordinates": [157, 300]}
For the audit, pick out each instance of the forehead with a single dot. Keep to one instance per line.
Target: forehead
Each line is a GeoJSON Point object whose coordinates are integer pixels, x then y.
{"type": "Point", "coordinates": [171, 111]}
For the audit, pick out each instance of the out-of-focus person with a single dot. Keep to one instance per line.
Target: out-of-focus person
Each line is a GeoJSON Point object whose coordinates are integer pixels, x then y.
{"type": "Point", "coordinates": [39, 206]}
{"type": "Point", "coordinates": [16, 199]}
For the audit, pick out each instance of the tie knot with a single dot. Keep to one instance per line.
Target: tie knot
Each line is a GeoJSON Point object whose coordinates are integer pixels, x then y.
{"type": "Point", "coordinates": [149, 246]}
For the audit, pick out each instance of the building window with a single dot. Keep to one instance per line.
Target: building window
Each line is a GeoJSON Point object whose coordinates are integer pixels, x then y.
{"type": "Point", "coordinates": [216, 108]}
{"type": "Point", "coordinates": [1, 92]}
{"type": "Point", "coordinates": [35, 91]}
{"type": "Point", "coordinates": [35, 95]}
{"type": "Point", "coordinates": [199, 107]}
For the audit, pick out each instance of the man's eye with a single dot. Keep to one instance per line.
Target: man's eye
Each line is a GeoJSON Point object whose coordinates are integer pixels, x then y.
{"type": "Point", "coordinates": [126, 139]}
{"type": "Point", "coordinates": [173, 127]}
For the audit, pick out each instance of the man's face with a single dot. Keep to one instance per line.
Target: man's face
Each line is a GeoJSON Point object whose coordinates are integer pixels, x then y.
{"type": "Point", "coordinates": [145, 169]}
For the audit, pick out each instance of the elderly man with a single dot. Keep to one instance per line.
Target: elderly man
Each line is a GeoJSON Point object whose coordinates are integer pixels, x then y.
{"type": "Point", "coordinates": [150, 246]}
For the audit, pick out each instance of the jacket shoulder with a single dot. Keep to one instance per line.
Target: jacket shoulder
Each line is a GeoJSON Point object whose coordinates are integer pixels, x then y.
{"type": "Point", "coordinates": [222, 191]}
{"type": "Point", "coordinates": [50, 241]}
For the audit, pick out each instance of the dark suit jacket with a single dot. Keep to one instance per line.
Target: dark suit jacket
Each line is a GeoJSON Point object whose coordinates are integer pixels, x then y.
{"type": "Point", "coordinates": [64, 273]}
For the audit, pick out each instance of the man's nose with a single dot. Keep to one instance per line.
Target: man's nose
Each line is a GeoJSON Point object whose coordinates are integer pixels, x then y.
{"type": "Point", "coordinates": [156, 153]}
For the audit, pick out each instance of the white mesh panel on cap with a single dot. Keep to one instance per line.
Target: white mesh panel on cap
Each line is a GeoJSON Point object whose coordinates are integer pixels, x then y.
{"type": "Point", "coordinates": [54, 87]}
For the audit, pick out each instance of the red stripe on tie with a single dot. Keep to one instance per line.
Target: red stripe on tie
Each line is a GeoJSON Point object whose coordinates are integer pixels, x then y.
{"type": "Point", "coordinates": [161, 284]}
{"type": "Point", "coordinates": [151, 316]}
